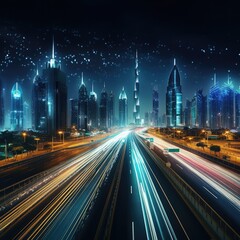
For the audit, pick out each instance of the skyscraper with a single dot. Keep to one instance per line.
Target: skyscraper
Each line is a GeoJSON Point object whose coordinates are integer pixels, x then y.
{"type": "Point", "coordinates": [111, 115]}
{"type": "Point", "coordinates": [215, 105]}
{"type": "Point", "coordinates": [74, 112]}
{"type": "Point", "coordinates": [103, 109]}
{"type": "Point", "coordinates": [39, 104]}
{"type": "Point", "coordinates": [198, 113]}
{"type": "Point", "coordinates": [16, 116]}
{"type": "Point", "coordinates": [136, 101]}
{"type": "Point", "coordinates": [93, 109]}
{"type": "Point", "coordinates": [187, 113]}
{"type": "Point", "coordinates": [82, 107]}
{"type": "Point", "coordinates": [174, 99]}
{"type": "Point", "coordinates": [155, 106]}
{"type": "Point", "coordinates": [123, 110]}
{"type": "Point", "coordinates": [228, 105]}
{"type": "Point", "coordinates": [1, 106]}
{"type": "Point", "coordinates": [26, 116]}
{"type": "Point", "coordinates": [56, 96]}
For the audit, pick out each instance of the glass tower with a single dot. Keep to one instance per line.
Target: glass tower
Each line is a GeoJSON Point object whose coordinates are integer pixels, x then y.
{"type": "Point", "coordinates": [136, 101]}
{"type": "Point", "coordinates": [1, 106]}
{"type": "Point", "coordinates": [93, 109]}
{"type": "Point", "coordinates": [123, 110]}
{"type": "Point", "coordinates": [103, 109]}
{"type": "Point", "coordinates": [155, 106]}
{"type": "Point", "coordinates": [174, 99]}
{"type": "Point", "coordinates": [16, 116]}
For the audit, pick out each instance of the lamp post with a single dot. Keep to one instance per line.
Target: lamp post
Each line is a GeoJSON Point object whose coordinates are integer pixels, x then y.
{"type": "Point", "coordinates": [37, 139]}
{"type": "Point", "coordinates": [24, 136]}
{"type": "Point", "coordinates": [61, 133]}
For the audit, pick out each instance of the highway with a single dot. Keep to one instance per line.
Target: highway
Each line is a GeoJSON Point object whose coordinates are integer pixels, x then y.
{"type": "Point", "coordinates": [111, 191]}
{"type": "Point", "coordinates": [71, 187]}
{"type": "Point", "coordinates": [219, 187]}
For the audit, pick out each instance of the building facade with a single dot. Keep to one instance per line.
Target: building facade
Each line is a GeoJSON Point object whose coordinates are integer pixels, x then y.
{"type": "Point", "coordinates": [174, 99]}
{"type": "Point", "coordinates": [39, 104]}
{"type": "Point", "coordinates": [103, 109]}
{"type": "Point", "coordinates": [2, 122]}
{"type": "Point", "coordinates": [136, 100]}
{"type": "Point", "coordinates": [74, 113]}
{"type": "Point", "coordinates": [123, 109]}
{"type": "Point", "coordinates": [82, 107]}
{"type": "Point", "coordinates": [93, 109]}
{"type": "Point", "coordinates": [111, 115]}
{"type": "Point", "coordinates": [16, 115]}
{"type": "Point", "coordinates": [56, 96]}
{"type": "Point", "coordinates": [155, 107]}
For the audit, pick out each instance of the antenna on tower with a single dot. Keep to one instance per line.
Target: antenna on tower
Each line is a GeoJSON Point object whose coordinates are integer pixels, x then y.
{"type": "Point", "coordinates": [174, 61]}
{"type": "Point", "coordinates": [53, 48]}
{"type": "Point", "coordinates": [82, 79]}
{"type": "Point", "coordinates": [214, 79]}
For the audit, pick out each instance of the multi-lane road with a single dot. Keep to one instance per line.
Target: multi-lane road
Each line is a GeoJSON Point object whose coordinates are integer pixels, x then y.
{"type": "Point", "coordinates": [113, 190]}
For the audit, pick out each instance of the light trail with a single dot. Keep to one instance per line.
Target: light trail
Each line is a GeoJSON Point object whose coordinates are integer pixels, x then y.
{"type": "Point", "coordinates": [157, 223]}
{"type": "Point", "coordinates": [86, 173]}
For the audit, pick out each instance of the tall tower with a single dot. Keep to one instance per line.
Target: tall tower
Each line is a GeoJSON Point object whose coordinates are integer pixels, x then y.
{"type": "Point", "coordinates": [74, 112]}
{"type": "Point", "coordinates": [237, 107]}
{"type": "Point", "coordinates": [155, 106]}
{"type": "Point", "coordinates": [82, 106]}
{"type": "Point", "coordinates": [123, 110]}
{"type": "Point", "coordinates": [103, 109]}
{"type": "Point", "coordinates": [111, 114]}
{"type": "Point", "coordinates": [174, 99]}
{"type": "Point", "coordinates": [215, 105]}
{"type": "Point", "coordinates": [39, 104]}
{"type": "Point", "coordinates": [16, 118]}
{"type": "Point", "coordinates": [1, 106]}
{"type": "Point", "coordinates": [93, 109]}
{"type": "Point", "coordinates": [56, 96]}
{"type": "Point", "coordinates": [136, 101]}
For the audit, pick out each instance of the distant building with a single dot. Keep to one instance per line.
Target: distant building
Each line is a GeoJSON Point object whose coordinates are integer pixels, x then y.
{"type": "Point", "coordinates": [136, 100]}
{"type": "Point", "coordinates": [155, 106]}
{"type": "Point", "coordinates": [93, 109]}
{"type": "Point", "coordinates": [228, 105]}
{"type": "Point", "coordinates": [147, 119]}
{"type": "Point", "coordinates": [82, 107]}
{"type": "Point", "coordinates": [39, 104]}
{"type": "Point", "coordinates": [16, 116]}
{"type": "Point", "coordinates": [123, 109]}
{"type": "Point", "coordinates": [187, 113]}
{"type": "Point", "coordinates": [198, 113]}
{"type": "Point", "coordinates": [74, 112]}
{"type": "Point", "coordinates": [1, 106]}
{"type": "Point", "coordinates": [215, 105]}
{"type": "Point", "coordinates": [111, 115]}
{"type": "Point", "coordinates": [174, 99]}
{"type": "Point", "coordinates": [26, 116]}
{"type": "Point", "coordinates": [103, 109]}
{"type": "Point", "coordinates": [56, 96]}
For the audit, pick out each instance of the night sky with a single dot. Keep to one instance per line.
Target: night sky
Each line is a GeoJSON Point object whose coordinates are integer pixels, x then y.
{"type": "Point", "coordinates": [99, 38]}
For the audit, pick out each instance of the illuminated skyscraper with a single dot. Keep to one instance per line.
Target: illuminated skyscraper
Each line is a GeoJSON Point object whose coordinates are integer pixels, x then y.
{"type": "Point", "coordinates": [82, 107]}
{"type": "Point", "coordinates": [174, 99]}
{"type": "Point", "coordinates": [16, 116]}
{"type": "Point", "coordinates": [74, 112]}
{"type": "Point", "coordinates": [123, 109]}
{"type": "Point", "coordinates": [39, 104]}
{"type": "Point", "coordinates": [93, 109]}
{"type": "Point", "coordinates": [198, 113]}
{"type": "Point", "coordinates": [103, 109]}
{"type": "Point", "coordinates": [187, 113]}
{"type": "Point", "coordinates": [228, 105]}
{"type": "Point", "coordinates": [1, 106]}
{"type": "Point", "coordinates": [56, 96]}
{"type": "Point", "coordinates": [111, 115]}
{"type": "Point", "coordinates": [136, 101]}
{"type": "Point", "coordinates": [155, 106]}
{"type": "Point", "coordinates": [215, 105]}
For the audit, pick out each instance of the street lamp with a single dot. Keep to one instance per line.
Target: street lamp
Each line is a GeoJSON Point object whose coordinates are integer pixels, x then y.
{"type": "Point", "coordinates": [61, 133]}
{"type": "Point", "coordinates": [24, 136]}
{"type": "Point", "coordinates": [226, 132]}
{"type": "Point", "coordinates": [206, 133]}
{"type": "Point", "coordinates": [37, 139]}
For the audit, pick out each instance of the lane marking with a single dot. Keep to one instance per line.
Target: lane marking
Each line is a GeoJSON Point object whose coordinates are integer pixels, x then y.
{"type": "Point", "coordinates": [132, 230]}
{"type": "Point", "coordinates": [131, 189]}
{"type": "Point", "coordinates": [210, 192]}
{"type": "Point", "coordinates": [179, 166]}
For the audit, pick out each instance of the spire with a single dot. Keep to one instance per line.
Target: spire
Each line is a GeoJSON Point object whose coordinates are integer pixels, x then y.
{"type": "Point", "coordinates": [174, 61]}
{"type": "Point", "coordinates": [228, 77]}
{"type": "Point", "coordinates": [92, 87]}
{"type": "Point", "coordinates": [82, 79]}
{"type": "Point", "coordinates": [37, 73]}
{"type": "Point", "coordinates": [136, 54]}
{"type": "Point", "coordinates": [214, 79]}
{"type": "Point", "coordinates": [123, 88]}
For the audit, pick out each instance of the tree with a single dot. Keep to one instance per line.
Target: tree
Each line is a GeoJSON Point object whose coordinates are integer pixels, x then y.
{"type": "Point", "coordinates": [215, 148]}
{"type": "Point", "coordinates": [201, 144]}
